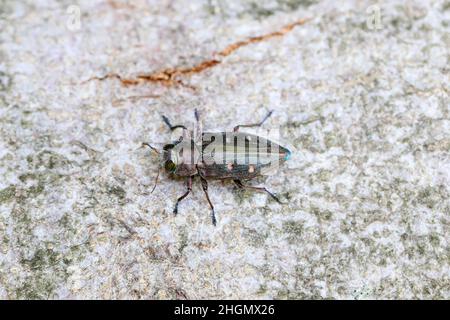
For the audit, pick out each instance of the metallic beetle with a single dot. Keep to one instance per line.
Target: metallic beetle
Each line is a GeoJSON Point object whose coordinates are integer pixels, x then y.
{"type": "Point", "coordinates": [232, 155]}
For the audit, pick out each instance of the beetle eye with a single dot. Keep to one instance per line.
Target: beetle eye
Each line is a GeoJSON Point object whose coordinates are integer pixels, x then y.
{"type": "Point", "coordinates": [170, 166]}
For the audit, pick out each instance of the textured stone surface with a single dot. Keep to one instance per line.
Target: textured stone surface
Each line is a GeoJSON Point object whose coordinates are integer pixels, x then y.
{"type": "Point", "coordinates": [363, 103]}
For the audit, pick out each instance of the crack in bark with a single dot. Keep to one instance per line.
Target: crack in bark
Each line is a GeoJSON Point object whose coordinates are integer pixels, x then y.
{"type": "Point", "coordinates": [168, 77]}
{"type": "Point", "coordinates": [233, 47]}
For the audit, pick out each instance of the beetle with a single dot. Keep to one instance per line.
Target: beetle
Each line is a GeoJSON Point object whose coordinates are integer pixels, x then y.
{"type": "Point", "coordinates": [236, 156]}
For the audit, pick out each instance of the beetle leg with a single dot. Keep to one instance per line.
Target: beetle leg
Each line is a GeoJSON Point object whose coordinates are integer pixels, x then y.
{"type": "Point", "coordinates": [205, 189]}
{"type": "Point", "coordinates": [197, 115]}
{"type": "Point", "coordinates": [262, 189]}
{"type": "Point", "coordinates": [171, 127]}
{"type": "Point", "coordinates": [236, 129]}
{"type": "Point", "coordinates": [198, 127]}
{"type": "Point", "coordinates": [189, 189]}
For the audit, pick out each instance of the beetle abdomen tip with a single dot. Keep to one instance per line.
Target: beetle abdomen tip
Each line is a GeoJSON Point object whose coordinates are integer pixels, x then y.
{"type": "Point", "coordinates": [288, 155]}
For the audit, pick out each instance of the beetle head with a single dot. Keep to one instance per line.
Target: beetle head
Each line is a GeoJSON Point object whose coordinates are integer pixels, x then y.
{"type": "Point", "coordinates": [170, 157]}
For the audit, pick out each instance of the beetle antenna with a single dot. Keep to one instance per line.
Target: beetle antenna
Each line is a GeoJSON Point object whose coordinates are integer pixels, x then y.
{"type": "Point", "coordinates": [156, 180]}
{"type": "Point", "coordinates": [157, 175]}
{"type": "Point", "coordinates": [148, 145]}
